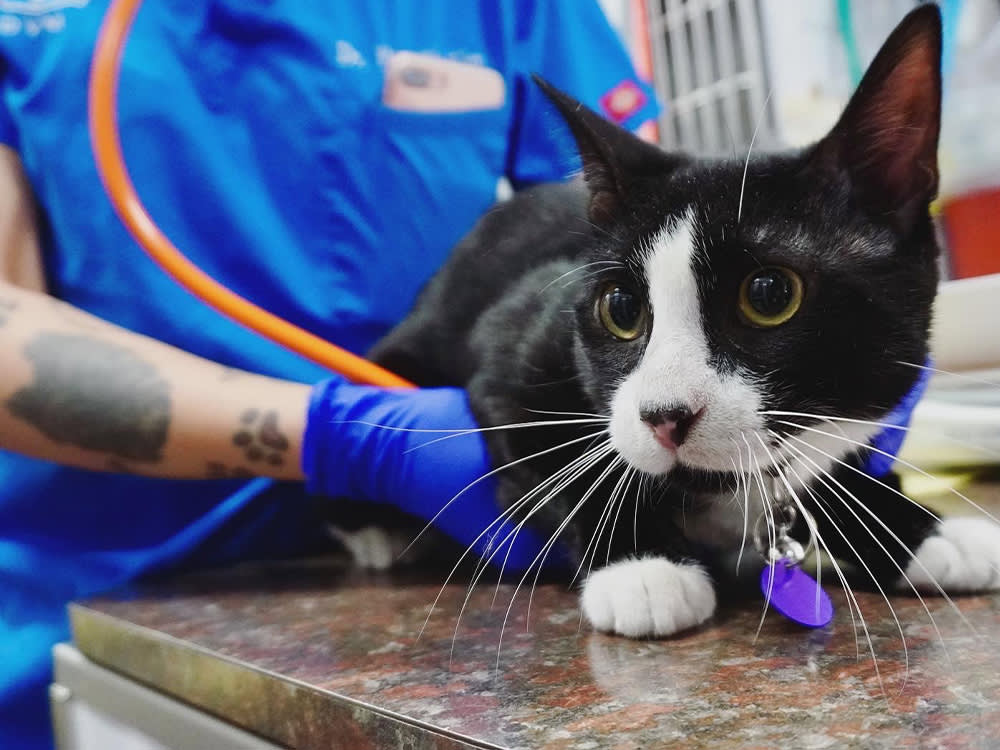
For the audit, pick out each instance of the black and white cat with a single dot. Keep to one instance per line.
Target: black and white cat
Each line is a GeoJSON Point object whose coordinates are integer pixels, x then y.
{"type": "Point", "coordinates": [698, 311]}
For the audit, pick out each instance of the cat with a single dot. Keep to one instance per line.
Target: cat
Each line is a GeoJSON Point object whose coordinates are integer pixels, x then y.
{"type": "Point", "coordinates": [696, 311]}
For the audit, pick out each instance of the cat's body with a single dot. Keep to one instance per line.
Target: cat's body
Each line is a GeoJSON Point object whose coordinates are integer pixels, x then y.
{"type": "Point", "coordinates": [628, 298]}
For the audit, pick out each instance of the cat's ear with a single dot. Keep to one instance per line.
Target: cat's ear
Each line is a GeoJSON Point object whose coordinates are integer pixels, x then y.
{"type": "Point", "coordinates": [612, 157]}
{"type": "Point", "coordinates": [887, 137]}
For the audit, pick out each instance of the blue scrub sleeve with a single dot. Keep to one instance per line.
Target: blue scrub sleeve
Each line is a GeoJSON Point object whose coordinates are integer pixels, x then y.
{"type": "Point", "coordinates": [571, 44]}
{"type": "Point", "coordinates": [419, 450]}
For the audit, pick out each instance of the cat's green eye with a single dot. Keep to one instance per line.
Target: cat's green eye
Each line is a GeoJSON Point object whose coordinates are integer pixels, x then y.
{"type": "Point", "coordinates": [770, 296]}
{"type": "Point", "coordinates": [621, 311]}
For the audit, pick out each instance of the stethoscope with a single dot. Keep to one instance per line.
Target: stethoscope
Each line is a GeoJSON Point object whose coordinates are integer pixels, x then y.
{"type": "Point", "coordinates": [106, 145]}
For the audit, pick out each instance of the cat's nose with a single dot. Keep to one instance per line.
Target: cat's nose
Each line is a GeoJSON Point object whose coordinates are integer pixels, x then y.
{"type": "Point", "coordinates": [670, 424]}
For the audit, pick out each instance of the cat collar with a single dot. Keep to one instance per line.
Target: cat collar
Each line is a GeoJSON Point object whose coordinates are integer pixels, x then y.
{"type": "Point", "coordinates": [879, 460]}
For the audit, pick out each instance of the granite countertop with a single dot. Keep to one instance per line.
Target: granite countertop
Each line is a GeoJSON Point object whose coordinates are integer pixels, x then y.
{"type": "Point", "coordinates": [315, 655]}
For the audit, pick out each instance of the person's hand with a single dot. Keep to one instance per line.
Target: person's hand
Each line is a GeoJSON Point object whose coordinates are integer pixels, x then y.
{"type": "Point", "coordinates": [417, 449]}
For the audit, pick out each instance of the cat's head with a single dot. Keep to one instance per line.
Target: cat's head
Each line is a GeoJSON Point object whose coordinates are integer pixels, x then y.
{"type": "Point", "coordinates": [735, 290]}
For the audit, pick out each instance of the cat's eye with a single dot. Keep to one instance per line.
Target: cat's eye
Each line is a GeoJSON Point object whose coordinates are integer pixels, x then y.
{"type": "Point", "coordinates": [621, 311]}
{"type": "Point", "coordinates": [770, 296]}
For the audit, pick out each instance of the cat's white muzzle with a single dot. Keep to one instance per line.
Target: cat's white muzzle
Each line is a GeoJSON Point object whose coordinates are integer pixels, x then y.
{"type": "Point", "coordinates": [725, 432]}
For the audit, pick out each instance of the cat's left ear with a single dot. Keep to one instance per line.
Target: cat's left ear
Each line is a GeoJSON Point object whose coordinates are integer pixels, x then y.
{"type": "Point", "coordinates": [887, 137]}
{"type": "Point", "coordinates": [613, 158]}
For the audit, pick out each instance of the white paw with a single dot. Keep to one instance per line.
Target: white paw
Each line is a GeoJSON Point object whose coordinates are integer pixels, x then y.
{"type": "Point", "coordinates": [649, 597]}
{"type": "Point", "coordinates": [371, 547]}
{"type": "Point", "coordinates": [964, 555]}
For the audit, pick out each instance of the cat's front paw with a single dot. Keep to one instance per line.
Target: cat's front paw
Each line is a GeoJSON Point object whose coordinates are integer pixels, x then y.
{"type": "Point", "coordinates": [962, 555]}
{"type": "Point", "coordinates": [648, 597]}
{"type": "Point", "coordinates": [371, 547]}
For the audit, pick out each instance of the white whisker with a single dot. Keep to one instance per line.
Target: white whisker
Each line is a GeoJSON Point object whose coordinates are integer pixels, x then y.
{"type": "Point", "coordinates": [895, 538]}
{"type": "Point", "coordinates": [639, 494]}
{"type": "Point", "coordinates": [569, 414]}
{"type": "Point", "coordinates": [833, 523]}
{"type": "Point", "coordinates": [489, 474]}
{"type": "Point", "coordinates": [570, 473]}
{"type": "Point", "coordinates": [896, 492]}
{"type": "Point", "coordinates": [909, 465]}
{"type": "Point", "coordinates": [630, 472]}
{"type": "Point", "coordinates": [959, 375]}
{"type": "Point", "coordinates": [852, 602]}
{"type": "Point", "coordinates": [860, 560]}
{"type": "Point", "coordinates": [599, 526]}
{"type": "Point", "coordinates": [540, 558]}
{"type": "Point", "coordinates": [561, 478]}
{"type": "Point", "coordinates": [485, 531]}
{"type": "Point", "coordinates": [771, 530]}
{"type": "Point", "coordinates": [746, 501]}
{"type": "Point", "coordinates": [586, 276]}
{"type": "Point", "coordinates": [618, 461]}
{"type": "Point", "coordinates": [611, 263]}
{"type": "Point", "coordinates": [468, 430]}
{"type": "Point", "coordinates": [605, 519]}
{"type": "Point", "coordinates": [884, 425]}
{"type": "Point", "coordinates": [552, 485]}
{"type": "Point", "coordinates": [495, 428]}
{"type": "Point", "coordinates": [858, 471]}
{"type": "Point", "coordinates": [746, 166]}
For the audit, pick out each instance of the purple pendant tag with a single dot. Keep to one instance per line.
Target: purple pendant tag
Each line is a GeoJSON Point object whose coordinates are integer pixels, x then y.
{"type": "Point", "coordinates": [796, 595]}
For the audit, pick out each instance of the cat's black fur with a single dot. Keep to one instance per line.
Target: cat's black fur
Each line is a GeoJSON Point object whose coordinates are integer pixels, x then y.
{"type": "Point", "coordinates": [511, 319]}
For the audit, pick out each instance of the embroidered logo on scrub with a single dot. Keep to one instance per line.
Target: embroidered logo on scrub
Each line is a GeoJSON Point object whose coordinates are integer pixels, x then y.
{"type": "Point", "coordinates": [623, 101]}
{"type": "Point", "coordinates": [34, 17]}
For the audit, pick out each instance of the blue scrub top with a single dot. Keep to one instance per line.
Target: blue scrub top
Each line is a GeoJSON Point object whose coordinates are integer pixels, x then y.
{"type": "Point", "coordinates": [256, 135]}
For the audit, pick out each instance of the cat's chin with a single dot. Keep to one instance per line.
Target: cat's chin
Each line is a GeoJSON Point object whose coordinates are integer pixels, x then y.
{"type": "Point", "coordinates": [646, 456]}
{"type": "Point", "coordinates": [695, 458]}
{"type": "Point", "coordinates": [672, 464]}
{"type": "Point", "coordinates": [649, 457]}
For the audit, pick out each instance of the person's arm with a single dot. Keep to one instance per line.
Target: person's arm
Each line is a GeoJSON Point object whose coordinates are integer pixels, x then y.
{"type": "Point", "coordinates": [80, 391]}
{"type": "Point", "coordinates": [77, 390]}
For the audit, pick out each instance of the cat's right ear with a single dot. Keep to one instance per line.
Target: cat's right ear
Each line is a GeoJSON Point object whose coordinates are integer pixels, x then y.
{"type": "Point", "coordinates": [612, 157]}
{"type": "Point", "coordinates": [887, 138]}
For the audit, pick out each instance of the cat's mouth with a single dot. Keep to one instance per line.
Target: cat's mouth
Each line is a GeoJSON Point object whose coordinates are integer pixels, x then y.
{"type": "Point", "coordinates": [714, 448]}
{"type": "Point", "coordinates": [711, 435]}
{"type": "Point", "coordinates": [710, 441]}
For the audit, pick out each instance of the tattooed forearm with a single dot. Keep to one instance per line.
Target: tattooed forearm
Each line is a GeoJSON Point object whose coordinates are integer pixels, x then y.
{"type": "Point", "coordinates": [94, 395]}
{"type": "Point", "coordinates": [260, 438]}
{"type": "Point", "coordinates": [80, 391]}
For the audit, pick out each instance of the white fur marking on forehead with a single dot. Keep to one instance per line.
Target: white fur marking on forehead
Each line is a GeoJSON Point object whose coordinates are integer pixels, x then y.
{"type": "Point", "coordinates": [673, 291]}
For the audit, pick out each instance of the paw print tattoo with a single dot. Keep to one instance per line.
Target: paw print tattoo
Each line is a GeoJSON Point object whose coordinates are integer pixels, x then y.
{"type": "Point", "coordinates": [260, 438]}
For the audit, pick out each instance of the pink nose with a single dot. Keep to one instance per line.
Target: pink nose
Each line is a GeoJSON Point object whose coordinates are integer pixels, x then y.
{"type": "Point", "coordinates": [666, 435]}
{"type": "Point", "coordinates": [670, 425]}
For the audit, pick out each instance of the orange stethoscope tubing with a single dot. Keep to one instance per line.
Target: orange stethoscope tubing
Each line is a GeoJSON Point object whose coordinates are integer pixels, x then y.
{"type": "Point", "coordinates": [106, 144]}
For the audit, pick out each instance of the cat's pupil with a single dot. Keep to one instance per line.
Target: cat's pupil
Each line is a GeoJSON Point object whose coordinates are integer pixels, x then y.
{"type": "Point", "coordinates": [770, 292]}
{"type": "Point", "coordinates": [623, 307]}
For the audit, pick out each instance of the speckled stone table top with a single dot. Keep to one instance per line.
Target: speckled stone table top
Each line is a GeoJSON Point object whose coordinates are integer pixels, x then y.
{"type": "Point", "coordinates": [312, 655]}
